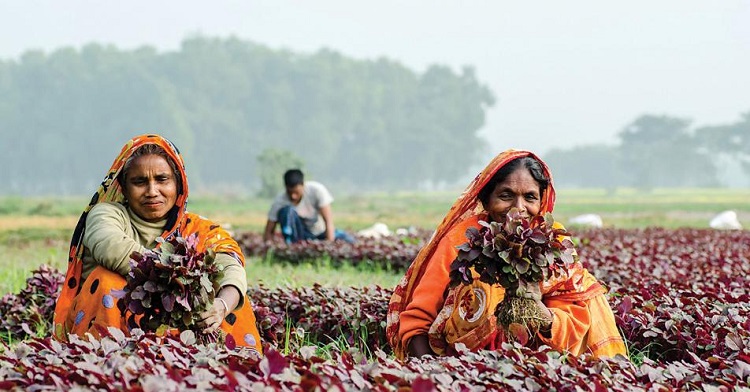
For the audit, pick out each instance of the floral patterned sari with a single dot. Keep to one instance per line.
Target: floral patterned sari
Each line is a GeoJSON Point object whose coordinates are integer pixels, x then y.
{"type": "Point", "coordinates": [465, 314]}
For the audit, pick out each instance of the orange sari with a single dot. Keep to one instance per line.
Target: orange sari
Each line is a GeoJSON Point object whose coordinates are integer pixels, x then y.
{"type": "Point", "coordinates": [423, 304]}
{"type": "Point", "coordinates": [89, 307]}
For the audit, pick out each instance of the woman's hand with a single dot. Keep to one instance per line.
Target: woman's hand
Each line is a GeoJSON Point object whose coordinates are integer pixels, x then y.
{"type": "Point", "coordinates": [211, 319]}
{"type": "Point", "coordinates": [533, 291]}
{"type": "Point", "coordinates": [224, 303]}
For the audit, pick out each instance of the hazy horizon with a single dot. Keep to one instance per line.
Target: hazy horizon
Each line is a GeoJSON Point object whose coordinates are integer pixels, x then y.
{"type": "Point", "coordinates": [563, 74]}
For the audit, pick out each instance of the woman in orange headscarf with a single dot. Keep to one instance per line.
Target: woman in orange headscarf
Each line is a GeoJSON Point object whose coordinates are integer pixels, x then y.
{"type": "Point", "coordinates": [426, 317]}
{"type": "Point", "coordinates": [143, 197]}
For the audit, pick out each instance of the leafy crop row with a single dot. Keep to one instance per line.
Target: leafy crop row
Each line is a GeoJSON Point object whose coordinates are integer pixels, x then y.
{"type": "Point", "coordinates": [287, 317]}
{"type": "Point", "coordinates": [29, 313]}
{"type": "Point", "coordinates": [681, 299]}
{"type": "Point", "coordinates": [395, 251]}
{"type": "Point", "coordinates": [291, 318]}
{"type": "Point", "coordinates": [148, 363]}
{"type": "Point", "coordinates": [676, 292]}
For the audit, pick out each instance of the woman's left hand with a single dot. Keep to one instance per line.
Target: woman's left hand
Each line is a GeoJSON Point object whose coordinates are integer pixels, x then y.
{"type": "Point", "coordinates": [533, 291]}
{"type": "Point", "coordinates": [227, 299]}
{"type": "Point", "coordinates": [530, 290]}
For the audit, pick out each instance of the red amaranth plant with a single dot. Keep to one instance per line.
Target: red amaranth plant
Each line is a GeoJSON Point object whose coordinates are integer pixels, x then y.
{"type": "Point", "coordinates": [511, 253]}
{"type": "Point", "coordinates": [169, 286]}
{"type": "Point", "coordinates": [30, 312]}
{"type": "Point", "coordinates": [322, 314]}
{"type": "Point", "coordinates": [678, 296]}
{"type": "Point", "coordinates": [393, 252]}
{"type": "Point", "coordinates": [148, 362]}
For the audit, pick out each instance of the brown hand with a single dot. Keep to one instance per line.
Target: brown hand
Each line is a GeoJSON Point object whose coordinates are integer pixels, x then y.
{"type": "Point", "coordinates": [211, 319]}
{"type": "Point", "coordinates": [534, 291]}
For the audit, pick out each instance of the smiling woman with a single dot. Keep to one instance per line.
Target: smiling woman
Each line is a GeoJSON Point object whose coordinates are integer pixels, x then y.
{"type": "Point", "coordinates": [144, 197]}
{"type": "Point", "coordinates": [427, 317]}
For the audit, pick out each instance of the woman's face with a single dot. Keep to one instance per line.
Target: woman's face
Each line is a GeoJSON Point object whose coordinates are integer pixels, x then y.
{"type": "Point", "coordinates": [150, 187]}
{"type": "Point", "coordinates": [519, 190]}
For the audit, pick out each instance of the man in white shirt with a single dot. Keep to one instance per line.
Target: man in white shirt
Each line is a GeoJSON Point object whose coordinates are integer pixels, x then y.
{"type": "Point", "coordinates": [303, 211]}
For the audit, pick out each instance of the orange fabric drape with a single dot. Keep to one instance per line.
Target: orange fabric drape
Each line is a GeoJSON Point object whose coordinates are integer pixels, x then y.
{"type": "Point", "coordinates": [89, 306]}
{"type": "Point", "coordinates": [465, 314]}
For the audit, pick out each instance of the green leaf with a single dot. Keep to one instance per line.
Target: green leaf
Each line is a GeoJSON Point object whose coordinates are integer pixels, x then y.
{"type": "Point", "coordinates": [206, 283]}
{"type": "Point", "coordinates": [167, 248]}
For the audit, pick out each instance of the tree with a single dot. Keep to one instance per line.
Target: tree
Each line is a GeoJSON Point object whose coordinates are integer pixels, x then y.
{"type": "Point", "coordinates": [731, 140]}
{"type": "Point", "coordinates": [586, 166]}
{"type": "Point", "coordinates": [659, 151]}
{"type": "Point", "coordinates": [272, 164]}
{"type": "Point", "coordinates": [367, 124]}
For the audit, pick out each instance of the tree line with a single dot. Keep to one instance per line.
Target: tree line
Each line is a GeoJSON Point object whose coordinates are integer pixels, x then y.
{"type": "Point", "coordinates": [225, 103]}
{"type": "Point", "coordinates": [659, 151]}
{"type": "Point", "coordinates": [242, 113]}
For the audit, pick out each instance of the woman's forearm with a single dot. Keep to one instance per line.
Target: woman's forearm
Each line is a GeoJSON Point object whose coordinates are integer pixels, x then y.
{"type": "Point", "coordinates": [234, 274]}
{"type": "Point", "coordinates": [231, 296]}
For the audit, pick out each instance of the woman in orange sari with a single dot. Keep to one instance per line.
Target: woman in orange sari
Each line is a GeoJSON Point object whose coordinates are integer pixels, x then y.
{"type": "Point", "coordinates": [426, 317]}
{"type": "Point", "coordinates": [143, 197]}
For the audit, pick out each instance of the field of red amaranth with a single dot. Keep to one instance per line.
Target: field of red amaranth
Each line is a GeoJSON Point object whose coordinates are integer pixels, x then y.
{"type": "Point", "coordinates": [681, 299]}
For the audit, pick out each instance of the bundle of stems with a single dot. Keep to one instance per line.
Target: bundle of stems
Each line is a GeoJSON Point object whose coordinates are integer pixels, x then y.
{"type": "Point", "coordinates": [515, 253]}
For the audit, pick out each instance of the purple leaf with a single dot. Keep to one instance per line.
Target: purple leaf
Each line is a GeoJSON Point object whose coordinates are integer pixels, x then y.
{"type": "Point", "coordinates": [273, 363]}
{"type": "Point", "coordinates": [168, 301]}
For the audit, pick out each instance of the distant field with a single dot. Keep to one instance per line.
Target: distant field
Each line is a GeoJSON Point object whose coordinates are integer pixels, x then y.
{"type": "Point", "coordinates": [670, 208]}
{"type": "Point", "coordinates": [624, 208]}
{"type": "Point", "coordinates": [37, 230]}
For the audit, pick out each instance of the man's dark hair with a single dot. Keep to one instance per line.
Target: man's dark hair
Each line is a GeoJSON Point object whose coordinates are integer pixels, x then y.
{"type": "Point", "coordinates": [534, 167]}
{"type": "Point", "coordinates": [293, 177]}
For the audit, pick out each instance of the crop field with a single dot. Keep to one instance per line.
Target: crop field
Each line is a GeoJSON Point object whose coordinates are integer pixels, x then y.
{"type": "Point", "coordinates": [679, 290]}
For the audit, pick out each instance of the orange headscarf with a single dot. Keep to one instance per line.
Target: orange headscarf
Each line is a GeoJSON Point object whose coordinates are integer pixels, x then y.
{"type": "Point", "coordinates": [179, 223]}
{"type": "Point", "coordinates": [466, 207]}
{"type": "Point", "coordinates": [111, 190]}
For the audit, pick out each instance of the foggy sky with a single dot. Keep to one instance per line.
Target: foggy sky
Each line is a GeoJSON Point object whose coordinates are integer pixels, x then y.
{"type": "Point", "coordinates": [564, 73]}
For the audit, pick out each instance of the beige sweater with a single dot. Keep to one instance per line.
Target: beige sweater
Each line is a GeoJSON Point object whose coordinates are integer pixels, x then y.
{"type": "Point", "coordinates": [113, 233]}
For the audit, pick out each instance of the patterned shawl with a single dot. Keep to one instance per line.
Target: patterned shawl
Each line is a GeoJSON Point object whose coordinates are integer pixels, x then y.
{"type": "Point", "coordinates": [467, 205]}
{"type": "Point", "coordinates": [179, 223]}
